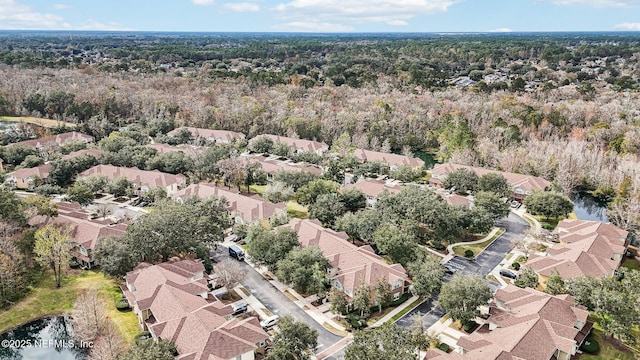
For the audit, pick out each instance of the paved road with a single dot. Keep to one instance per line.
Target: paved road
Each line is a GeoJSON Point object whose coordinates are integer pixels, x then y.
{"type": "Point", "coordinates": [278, 303]}
{"type": "Point", "coordinates": [482, 265]}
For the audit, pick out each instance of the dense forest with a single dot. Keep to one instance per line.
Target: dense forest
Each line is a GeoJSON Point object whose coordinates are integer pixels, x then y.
{"type": "Point", "coordinates": [562, 106]}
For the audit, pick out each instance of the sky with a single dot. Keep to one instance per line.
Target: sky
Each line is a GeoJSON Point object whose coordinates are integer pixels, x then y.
{"type": "Point", "coordinates": [322, 15]}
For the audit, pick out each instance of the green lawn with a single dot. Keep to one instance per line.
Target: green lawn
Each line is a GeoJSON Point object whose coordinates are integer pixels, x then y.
{"type": "Point", "coordinates": [257, 189]}
{"type": "Point", "coordinates": [631, 264]}
{"type": "Point", "coordinates": [296, 210]}
{"type": "Point", "coordinates": [409, 307]}
{"type": "Point", "coordinates": [45, 300]}
{"type": "Point", "coordinates": [476, 248]}
{"type": "Point", "coordinates": [607, 350]}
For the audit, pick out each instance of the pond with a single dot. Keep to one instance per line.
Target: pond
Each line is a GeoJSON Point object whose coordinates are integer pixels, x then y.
{"type": "Point", "coordinates": [587, 207]}
{"type": "Point", "coordinates": [46, 339]}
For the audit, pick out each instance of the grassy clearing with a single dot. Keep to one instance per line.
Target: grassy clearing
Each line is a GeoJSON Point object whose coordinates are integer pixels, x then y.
{"type": "Point", "coordinates": [49, 123]}
{"type": "Point", "coordinates": [607, 350]}
{"type": "Point", "coordinates": [47, 300]}
{"type": "Point", "coordinates": [631, 264]}
{"type": "Point", "coordinates": [332, 329]}
{"type": "Point", "coordinates": [296, 210]}
{"type": "Point", "coordinates": [257, 189]}
{"type": "Point", "coordinates": [476, 248]}
{"type": "Point", "coordinates": [408, 308]}
{"type": "Point", "coordinates": [492, 278]}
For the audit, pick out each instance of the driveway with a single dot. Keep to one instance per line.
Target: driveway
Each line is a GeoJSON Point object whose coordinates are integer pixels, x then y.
{"type": "Point", "coordinates": [277, 302]}
{"type": "Point", "coordinates": [482, 265]}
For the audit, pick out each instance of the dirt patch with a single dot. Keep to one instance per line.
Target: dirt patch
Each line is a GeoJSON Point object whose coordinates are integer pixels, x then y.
{"type": "Point", "coordinates": [229, 297]}
{"type": "Point", "coordinates": [290, 296]}
{"type": "Point", "coordinates": [244, 291]}
{"type": "Point", "coordinates": [267, 276]}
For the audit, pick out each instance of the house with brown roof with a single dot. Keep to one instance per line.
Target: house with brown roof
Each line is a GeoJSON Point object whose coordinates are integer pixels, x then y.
{"type": "Point", "coordinates": [217, 136]}
{"type": "Point", "coordinates": [373, 188]}
{"type": "Point", "coordinates": [48, 143]}
{"type": "Point", "coordinates": [188, 150]}
{"type": "Point", "coordinates": [172, 302]}
{"type": "Point", "coordinates": [242, 209]}
{"type": "Point", "coordinates": [86, 232]}
{"type": "Point", "coordinates": [142, 180]}
{"type": "Point", "coordinates": [352, 266]}
{"type": "Point", "coordinates": [298, 145]}
{"type": "Point", "coordinates": [521, 184]}
{"type": "Point", "coordinates": [393, 160]}
{"type": "Point", "coordinates": [585, 248]}
{"type": "Point", "coordinates": [25, 178]}
{"type": "Point", "coordinates": [524, 324]}
{"type": "Point", "coordinates": [457, 200]}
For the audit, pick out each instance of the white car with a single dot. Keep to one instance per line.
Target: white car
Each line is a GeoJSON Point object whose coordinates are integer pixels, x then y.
{"type": "Point", "coordinates": [270, 322]}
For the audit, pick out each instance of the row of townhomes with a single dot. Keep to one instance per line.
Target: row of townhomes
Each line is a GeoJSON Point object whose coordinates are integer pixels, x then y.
{"type": "Point", "coordinates": [85, 231]}
{"type": "Point", "coordinates": [173, 302]}
{"type": "Point", "coordinates": [523, 324]}
{"type": "Point", "coordinates": [351, 266]}
{"type": "Point", "coordinates": [522, 184]}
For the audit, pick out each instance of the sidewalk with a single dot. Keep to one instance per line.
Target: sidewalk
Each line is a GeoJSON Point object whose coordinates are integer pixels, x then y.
{"type": "Point", "coordinates": [392, 313]}
{"type": "Point", "coordinates": [445, 333]}
{"type": "Point", "coordinates": [334, 348]}
{"type": "Point", "coordinates": [450, 247]}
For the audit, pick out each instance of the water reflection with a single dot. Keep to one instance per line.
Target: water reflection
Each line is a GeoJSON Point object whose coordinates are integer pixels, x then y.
{"type": "Point", "coordinates": [587, 207]}
{"type": "Point", "coordinates": [46, 339]}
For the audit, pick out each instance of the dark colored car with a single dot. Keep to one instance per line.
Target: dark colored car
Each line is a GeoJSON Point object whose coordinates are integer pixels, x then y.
{"type": "Point", "coordinates": [508, 274]}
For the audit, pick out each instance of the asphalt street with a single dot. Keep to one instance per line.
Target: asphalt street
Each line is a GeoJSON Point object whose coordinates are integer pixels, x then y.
{"type": "Point", "coordinates": [482, 265]}
{"type": "Point", "coordinates": [278, 303]}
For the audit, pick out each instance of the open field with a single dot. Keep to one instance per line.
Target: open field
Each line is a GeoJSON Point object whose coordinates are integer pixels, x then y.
{"type": "Point", "coordinates": [49, 123]}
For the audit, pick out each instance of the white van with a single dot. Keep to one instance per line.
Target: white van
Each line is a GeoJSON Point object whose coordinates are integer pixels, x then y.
{"type": "Point", "coordinates": [270, 322]}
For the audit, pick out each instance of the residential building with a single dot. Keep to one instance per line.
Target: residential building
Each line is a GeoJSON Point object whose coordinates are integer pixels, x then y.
{"type": "Point", "coordinates": [524, 324]}
{"type": "Point", "coordinates": [172, 301]}
{"type": "Point", "coordinates": [585, 248]}
{"type": "Point", "coordinates": [351, 266]}
{"type": "Point", "coordinates": [521, 184]}
{"type": "Point", "coordinates": [25, 178]}
{"type": "Point", "coordinates": [298, 145]}
{"type": "Point", "coordinates": [393, 160]}
{"type": "Point", "coordinates": [142, 180]}
{"type": "Point", "coordinates": [86, 232]}
{"type": "Point", "coordinates": [457, 200]}
{"type": "Point", "coordinates": [373, 188]}
{"type": "Point", "coordinates": [242, 209]}
{"type": "Point", "coordinates": [217, 136]}
{"type": "Point", "coordinates": [48, 143]}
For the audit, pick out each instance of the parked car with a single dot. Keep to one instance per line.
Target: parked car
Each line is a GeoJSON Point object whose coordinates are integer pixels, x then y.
{"type": "Point", "coordinates": [270, 322]}
{"type": "Point", "coordinates": [508, 274]}
{"type": "Point", "coordinates": [239, 307]}
{"type": "Point", "coordinates": [515, 204]}
{"type": "Point", "coordinates": [449, 269]}
{"type": "Point", "coordinates": [236, 252]}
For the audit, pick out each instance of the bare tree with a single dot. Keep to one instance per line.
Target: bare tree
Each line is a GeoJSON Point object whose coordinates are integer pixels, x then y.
{"type": "Point", "coordinates": [89, 315]}
{"type": "Point", "coordinates": [103, 210]}
{"type": "Point", "coordinates": [229, 273]}
{"type": "Point", "coordinates": [109, 344]}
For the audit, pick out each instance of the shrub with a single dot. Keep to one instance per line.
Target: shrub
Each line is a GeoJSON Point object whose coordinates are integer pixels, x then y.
{"type": "Point", "coordinates": [590, 346]}
{"type": "Point", "coordinates": [468, 253]}
{"type": "Point", "coordinates": [122, 305]}
{"type": "Point", "coordinates": [547, 226]}
{"type": "Point", "coordinates": [469, 326]}
{"type": "Point", "coordinates": [444, 347]}
{"type": "Point", "coordinates": [516, 265]}
{"type": "Point", "coordinates": [73, 264]}
{"type": "Point", "coordinates": [356, 321]}
{"type": "Point", "coordinates": [400, 300]}
{"type": "Point", "coordinates": [438, 245]}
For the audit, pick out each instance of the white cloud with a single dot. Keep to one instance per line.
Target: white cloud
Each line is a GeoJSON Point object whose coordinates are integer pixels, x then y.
{"type": "Point", "coordinates": [397, 23]}
{"type": "Point", "coordinates": [360, 11]}
{"type": "Point", "coordinates": [61, 6]}
{"type": "Point", "coordinates": [501, 30]}
{"type": "Point", "coordinates": [242, 7]}
{"type": "Point", "coordinates": [15, 16]}
{"type": "Point", "coordinates": [629, 26]}
{"type": "Point", "coordinates": [92, 24]}
{"type": "Point", "coordinates": [597, 3]}
{"type": "Point", "coordinates": [299, 26]}
{"type": "Point", "coordinates": [203, 2]}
